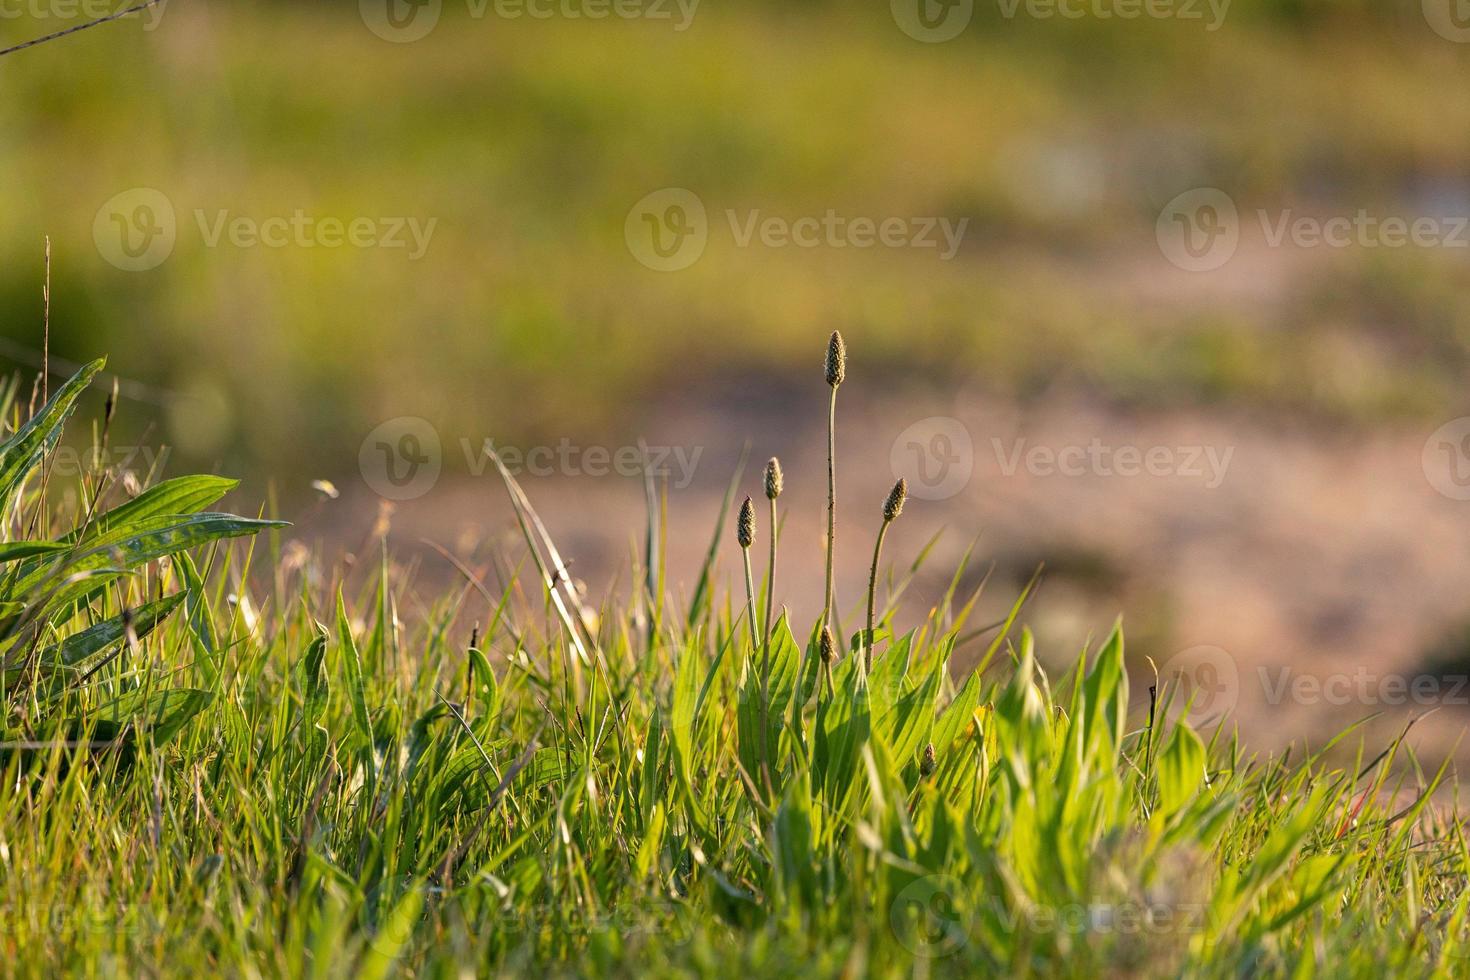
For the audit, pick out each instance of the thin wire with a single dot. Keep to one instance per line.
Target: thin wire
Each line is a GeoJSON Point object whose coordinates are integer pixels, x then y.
{"type": "Point", "coordinates": [80, 27]}
{"type": "Point", "coordinates": [137, 391]}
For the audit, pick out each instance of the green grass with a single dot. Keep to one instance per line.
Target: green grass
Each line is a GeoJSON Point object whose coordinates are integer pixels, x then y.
{"type": "Point", "coordinates": [328, 779]}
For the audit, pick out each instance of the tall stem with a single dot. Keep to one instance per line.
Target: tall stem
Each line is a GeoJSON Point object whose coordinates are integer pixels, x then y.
{"type": "Point", "coordinates": [771, 584]}
{"type": "Point", "coordinates": [831, 501]}
{"type": "Point", "coordinates": [755, 645]}
{"type": "Point", "coordinates": [766, 653]}
{"type": "Point", "coordinates": [872, 592]}
{"type": "Point", "coordinates": [755, 638]}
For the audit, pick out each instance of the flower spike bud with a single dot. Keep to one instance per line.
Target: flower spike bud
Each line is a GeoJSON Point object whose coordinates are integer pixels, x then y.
{"type": "Point", "coordinates": [827, 646]}
{"type": "Point", "coordinates": [774, 479]}
{"type": "Point", "coordinates": [745, 527]}
{"type": "Point", "coordinates": [836, 359]}
{"type": "Point", "coordinates": [893, 506]}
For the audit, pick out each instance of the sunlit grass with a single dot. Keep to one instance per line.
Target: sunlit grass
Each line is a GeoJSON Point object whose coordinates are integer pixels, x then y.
{"type": "Point", "coordinates": [268, 765]}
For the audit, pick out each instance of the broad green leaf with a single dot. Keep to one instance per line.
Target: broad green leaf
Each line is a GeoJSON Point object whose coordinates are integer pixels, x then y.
{"type": "Point", "coordinates": [1105, 701]}
{"type": "Point", "coordinates": [161, 713]}
{"type": "Point", "coordinates": [843, 725]}
{"type": "Point", "coordinates": [202, 635]}
{"type": "Point", "coordinates": [180, 495]}
{"type": "Point", "coordinates": [484, 679]}
{"type": "Point", "coordinates": [906, 725]}
{"type": "Point", "coordinates": [653, 840]}
{"type": "Point", "coordinates": [143, 541]}
{"type": "Point", "coordinates": [682, 717]}
{"type": "Point", "coordinates": [794, 839]}
{"type": "Point", "coordinates": [958, 715]}
{"type": "Point", "coordinates": [886, 682]}
{"type": "Point", "coordinates": [29, 549]}
{"type": "Point", "coordinates": [650, 768]}
{"type": "Point", "coordinates": [785, 662]}
{"type": "Point", "coordinates": [77, 649]}
{"type": "Point", "coordinates": [393, 935]}
{"type": "Point", "coordinates": [1181, 769]}
{"type": "Point", "coordinates": [315, 686]}
{"type": "Point", "coordinates": [356, 687]}
{"type": "Point", "coordinates": [24, 450]}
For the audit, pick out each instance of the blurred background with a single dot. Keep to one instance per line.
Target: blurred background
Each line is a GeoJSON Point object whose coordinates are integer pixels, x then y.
{"type": "Point", "coordinates": [1169, 296]}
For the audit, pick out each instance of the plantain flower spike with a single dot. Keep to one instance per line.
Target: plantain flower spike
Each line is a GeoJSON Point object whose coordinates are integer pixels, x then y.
{"type": "Point", "coordinates": [745, 527]}
{"type": "Point", "coordinates": [774, 479]}
{"type": "Point", "coordinates": [836, 359]}
{"type": "Point", "coordinates": [893, 506]}
{"type": "Point", "coordinates": [827, 646]}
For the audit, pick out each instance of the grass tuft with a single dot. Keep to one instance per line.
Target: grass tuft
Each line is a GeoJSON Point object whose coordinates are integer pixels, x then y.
{"type": "Point", "coordinates": [201, 773]}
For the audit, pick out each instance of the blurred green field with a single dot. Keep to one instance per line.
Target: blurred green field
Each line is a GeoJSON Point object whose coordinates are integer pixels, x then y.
{"type": "Point", "coordinates": [528, 141]}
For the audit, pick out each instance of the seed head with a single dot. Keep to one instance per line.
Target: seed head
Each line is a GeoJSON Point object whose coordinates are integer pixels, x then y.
{"type": "Point", "coordinates": [774, 480]}
{"type": "Point", "coordinates": [929, 762]}
{"type": "Point", "coordinates": [893, 506]}
{"type": "Point", "coordinates": [745, 527]}
{"type": "Point", "coordinates": [836, 359]}
{"type": "Point", "coordinates": [827, 646]}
